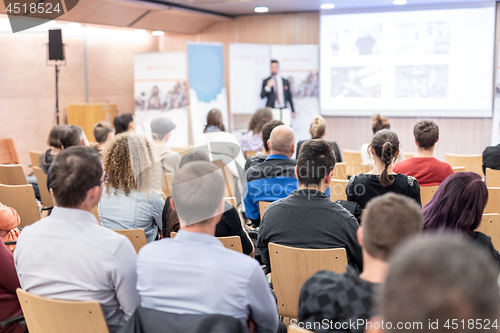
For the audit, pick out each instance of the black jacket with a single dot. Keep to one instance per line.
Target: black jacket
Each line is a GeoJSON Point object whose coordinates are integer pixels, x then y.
{"type": "Point", "coordinates": [287, 92]}
{"type": "Point", "coordinates": [491, 158]}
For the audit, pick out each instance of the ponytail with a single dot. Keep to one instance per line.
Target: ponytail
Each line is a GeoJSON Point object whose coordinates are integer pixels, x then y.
{"type": "Point", "coordinates": [387, 158]}
{"type": "Point", "coordinates": [385, 144]}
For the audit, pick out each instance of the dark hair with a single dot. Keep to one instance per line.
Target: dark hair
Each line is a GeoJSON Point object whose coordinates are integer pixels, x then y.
{"type": "Point", "coordinates": [385, 143]}
{"type": "Point", "coordinates": [55, 136]}
{"type": "Point", "coordinates": [389, 220]}
{"type": "Point", "coordinates": [443, 278]}
{"type": "Point", "coordinates": [193, 156]}
{"type": "Point", "coordinates": [316, 159]}
{"type": "Point", "coordinates": [122, 122]}
{"type": "Point", "coordinates": [214, 118]}
{"type": "Point", "coordinates": [458, 204]}
{"type": "Point", "coordinates": [74, 171]}
{"type": "Point", "coordinates": [380, 123]}
{"type": "Point", "coordinates": [71, 135]}
{"type": "Point", "coordinates": [426, 134]}
{"type": "Point", "coordinates": [267, 129]}
{"type": "Point", "coordinates": [274, 61]}
{"type": "Point", "coordinates": [259, 119]}
{"type": "Point", "coordinates": [102, 130]}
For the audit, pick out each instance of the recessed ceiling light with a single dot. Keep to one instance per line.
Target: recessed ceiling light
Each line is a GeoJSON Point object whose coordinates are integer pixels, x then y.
{"type": "Point", "coordinates": [399, 2]}
{"type": "Point", "coordinates": [157, 33]}
{"type": "Point", "coordinates": [261, 9]}
{"type": "Point", "coordinates": [328, 6]}
{"type": "Point", "coordinates": [140, 31]}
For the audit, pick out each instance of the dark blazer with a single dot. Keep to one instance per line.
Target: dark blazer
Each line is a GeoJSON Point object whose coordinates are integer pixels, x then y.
{"type": "Point", "coordinates": [271, 96]}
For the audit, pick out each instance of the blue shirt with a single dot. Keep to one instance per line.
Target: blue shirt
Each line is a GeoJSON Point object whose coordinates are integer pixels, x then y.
{"type": "Point", "coordinates": [196, 274]}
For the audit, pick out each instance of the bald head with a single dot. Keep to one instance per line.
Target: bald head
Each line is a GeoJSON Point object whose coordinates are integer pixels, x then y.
{"type": "Point", "coordinates": [282, 141]}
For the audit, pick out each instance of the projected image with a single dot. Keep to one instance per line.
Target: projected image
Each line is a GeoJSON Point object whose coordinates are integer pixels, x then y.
{"type": "Point", "coordinates": [422, 81]}
{"type": "Point", "coordinates": [423, 38]}
{"type": "Point", "coordinates": [304, 85]}
{"type": "Point", "coordinates": [356, 82]}
{"type": "Point", "coordinates": [356, 40]}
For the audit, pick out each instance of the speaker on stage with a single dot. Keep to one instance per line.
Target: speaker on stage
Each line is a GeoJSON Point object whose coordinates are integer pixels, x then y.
{"type": "Point", "coordinates": [56, 51]}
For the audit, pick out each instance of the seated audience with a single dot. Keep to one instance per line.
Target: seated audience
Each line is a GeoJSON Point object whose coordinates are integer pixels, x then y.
{"type": "Point", "coordinates": [9, 223]}
{"type": "Point", "coordinates": [252, 140]}
{"type": "Point", "coordinates": [261, 156]}
{"type": "Point", "coordinates": [428, 170]}
{"type": "Point", "coordinates": [230, 223]}
{"type": "Point", "coordinates": [274, 178]}
{"type": "Point", "coordinates": [388, 221]}
{"type": "Point", "coordinates": [307, 218]}
{"type": "Point", "coordinates": [438, 283]}
{"type": "Point", "coordinates": [124, 123]}
{"type": "Point", "coordinates": [103, 133]}
{"type": "Point", "coordinates": [379, 123]}
{"type": "Point", "coordinates": [491, 158]}
{"type": "Point", "coordinates": [193, 273]}
{"type": "Point", "coordinates": [214, 122]}
{"type": "Point", "coordinates": [130, 200]}
{"type": "Point", "coordinates": [54, 142]}
{"type": "Point", "coordinates": [381, 179]}
{"type": "Point", "coordinates": [318, 131]}
{"type": "Point", "coordinates": [68, 255]}
{"type": "Point", "coordinates": [9, 304]}
{"type": "Point", "coordinates": [161, 128]}
{"type": "Point", "coordinates": [458, 206]}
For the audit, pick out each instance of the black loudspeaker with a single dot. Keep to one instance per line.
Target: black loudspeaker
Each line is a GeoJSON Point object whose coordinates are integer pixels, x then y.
{"type": "Point", "coordinates": [56, 51]}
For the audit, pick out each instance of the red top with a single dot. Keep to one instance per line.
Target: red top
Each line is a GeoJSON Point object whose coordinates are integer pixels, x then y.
{"type": "Point", "coordinates": [9, 305]}
{"type": "Point", "coordinates": [428, 170]}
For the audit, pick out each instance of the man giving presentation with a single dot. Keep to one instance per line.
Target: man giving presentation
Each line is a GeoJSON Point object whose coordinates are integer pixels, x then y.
{"type": "Point", "coordinates": [277, 90]}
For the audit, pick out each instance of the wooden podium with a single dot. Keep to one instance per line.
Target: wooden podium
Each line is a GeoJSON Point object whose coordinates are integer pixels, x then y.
{"type": "Point", "coordinates": [86, 115]}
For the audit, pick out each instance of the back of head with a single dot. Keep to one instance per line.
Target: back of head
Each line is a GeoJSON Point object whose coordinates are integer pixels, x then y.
{"type": "Point", "coordinates": [214, 118]}
{"type": "Point", "coordinates": [440, 278]}
{"type": "Point", "coordinates": [426, 134]}
{"type": "Point", "coordinates": [318, 127]}
{"type": "Point", "coordinates": [388, 221]}
{"type": "Point", "coordinates": [282, 140]}
{"type": "Point", "coordinates": [55, 136]}
{"type": "Point", "coordinates": [71, 135]}
{"type": "Point", "coordinates": [458, 204]}
{"type": "Point", "coordinates": [380, 123]}
{"type": "Point", "coordinates": [75, 171]}
{"type": "Point", "coordinates": [259, 119]}
{"type": "Point", "coordinates": [122, 122]}
{"type": "Point", "coordinates": [385, 143]}
{"type": "Point", "coordinates": [102, 130]}
{"type": "Point", "coordinates": [197, 192]}
{"type": "Point", "coordinates": [193, 156]}
{"type": "Point", "coordinates": [316, 160]}
{"type": "Point", "coordinates": [267, 129]}
{"type": "Point", "coordinates": [161, 126]}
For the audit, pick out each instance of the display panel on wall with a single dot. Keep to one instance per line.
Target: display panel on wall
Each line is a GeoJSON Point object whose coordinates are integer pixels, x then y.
{"type": "Point", "coordinates": [421, 61]}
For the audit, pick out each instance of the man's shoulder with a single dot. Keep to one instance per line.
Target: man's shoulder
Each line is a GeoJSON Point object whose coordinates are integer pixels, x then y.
{"type": "Point", "coordinates": [491, 149]}
{"type": "Point", "coordinates": [403, 165]}
{"type": "Point", "coordinates": [323, 282]}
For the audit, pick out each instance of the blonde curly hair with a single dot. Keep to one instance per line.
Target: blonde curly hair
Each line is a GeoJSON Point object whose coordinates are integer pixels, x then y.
{"type": "Point", "coordinates": [131, 164]}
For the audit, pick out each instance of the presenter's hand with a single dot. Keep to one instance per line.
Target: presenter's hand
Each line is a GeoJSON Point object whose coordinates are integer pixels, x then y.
{"type": "Point", "coordinates": [270, 83]}
{"type": "Point", "coordinates": [294, 115]}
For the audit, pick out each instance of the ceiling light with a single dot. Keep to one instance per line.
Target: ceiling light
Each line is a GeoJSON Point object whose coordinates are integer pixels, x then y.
{"type": "Point", "coordinates": [157, 33]}
{"type": "Point", "coordinates": [74, 25]}
{"type": "Point", "coordinates": [328, 6]}
{"type": "Point", "coordinates": [261, 9]}
{"type": "Point", "coordinates": [140, 31]}
{"type": "Point", "coordinates": [399, 2]}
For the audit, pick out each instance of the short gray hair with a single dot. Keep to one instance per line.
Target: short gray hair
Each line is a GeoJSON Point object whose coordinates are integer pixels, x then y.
{"type": "Point", "coordinates": [197, 192]}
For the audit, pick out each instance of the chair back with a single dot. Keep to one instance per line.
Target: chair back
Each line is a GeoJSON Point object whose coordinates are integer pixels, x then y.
{"type": "Point", "coordinates": [35, 157]}
{"type": "Point", "coordinates": [169, 181]}
{"type": "Point", "coordinates": [228, 178]}
{"type": "Point", "coordinates": [182, 150]}
{"type": "Point", "coordinates": [363, 168]}
{"type": "Point", "coordinates": [250, 153]}
{"type": "Point", "coordinates": [12, 174]}
{"type": "Point", "coordinates": [426, 193]}
{"type": "Point", "coordinates": [231, 201]}
{"type": "Point", "coordinates": [340, 171]}
{"type": "Point", "coordinates": [458, 169]}
{"type": "Point", "coordinates": [490, 225]}
{"type": "Point", "coordinates": [471, 163]}
{"type": "Point", "coordinates": [492, 177]}
{"type": "Point", "coordinates": [41, 178]}
{"type": "Point", "coordinates": [230, 242]}
{"type": "Point", "coordinates": [291, 267]}
{"type": "Point", "coordinates": [337, 189]}
{"type": "Point", "coordinates": [493, 205]}
{"type": "Point", "coordinates": [8, 153]}
{"type": "Point", "coordinates": [45, 315]}
{"type": "Point", "coordinates": [22, 199]}
{"type": "Point", "coordinates": [136, 236]}
{"type": "Point", "coordinates": [262, 207]}
{"type": "Point", "coordinates": [352, 159]}
{"type": "Point", "coordinates": [296, 329]}
{"type": "Point", "coordinates": [409, 155]}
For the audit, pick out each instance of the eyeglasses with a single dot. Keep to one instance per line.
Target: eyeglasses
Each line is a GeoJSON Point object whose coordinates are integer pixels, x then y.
{"type": "Point", "coordinates": [104, 180]}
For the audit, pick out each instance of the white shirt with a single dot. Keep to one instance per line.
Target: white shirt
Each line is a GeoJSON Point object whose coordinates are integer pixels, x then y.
{"type": "Point", "coordinates": [281, 93]}
{"type": "Point", "coordinates": [69, 256]}
{"type": "Point", "coordinates": [194, 274]}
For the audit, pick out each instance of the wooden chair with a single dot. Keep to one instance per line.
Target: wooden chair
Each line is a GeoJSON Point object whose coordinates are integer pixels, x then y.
{"type": "Point", "coordinates": [45, 315]}
{"type": "Point", "coordinates": [337, 189]}
{"type": "Point", "coordinates": [426, 193]}
{"type": "Point", "coordinates": [231, 242]}
{"type": "Point", "coordinates": [263, 206]}
{"type": "Point", "coordinates": [493, 205]}
{"type": "Point", "coordinates": [228, 178]}
{"type": "Point", "coordinates": [409, 155]}
{"type": "Point", "coordinates": [41, 178]}
{"type": "Point", "coordinates": [12, 174]}
{"type": "Point", "coordinates": [472, 163]}
{"type": "Point", "coordinates": [292, 329]}
{"type": "Point", "coordinates": [363, 168]}
{"type": "Point", "coordinates": [35, 157]}
{"type": "Point", "coordinates": [232, 202]}
{"type": "Point", "coordinates": [169, 181]}
{"type": "Point", "coordinates": [136, 236]}
{"type": "Point", "coordinates": [8, 153]}
{"type": "Point", "coordinates": [340, 171]}
{"type": "Point", "coordinates": [352, 159]}
{"type": "Point", "coordinates": [182, 150]}
{"type": "Point", "coordinates": [490, 225]}
{"type": "Point", "coordinates": [458, 169]}
{"type": "Point", "coordinates": [492, 177]}
{"type": "Point", "coordinates": [291, 267]}
{"type": "Point", "coordinates": [251, 153]}
{"type": "Point", "coordinates": [22, 199]}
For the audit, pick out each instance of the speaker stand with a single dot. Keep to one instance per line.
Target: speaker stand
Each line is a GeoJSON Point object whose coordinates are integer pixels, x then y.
{"type": "Point", "coordinates": [57, 95]}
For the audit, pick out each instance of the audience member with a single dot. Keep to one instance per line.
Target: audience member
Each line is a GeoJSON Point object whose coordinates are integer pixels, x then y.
{"type": "Point", "coordinates": [230, 223]}
{"type": "Point", "coordinates": [318, 131]}
{"type": "Point", "coordinates": [381, 179]}
{"type": "Point", "coordinates": [103, 133]}
{"type": "Point", "coordinates": [68, 255]}
{"type": "Point", "coordinates": [161, 128]}
{"type": "Point", "coordinates": [54, 142]}
{"type": "Point", "coordinates": [274, 178]}
{"type": "Point", "coordinates": [9, 305]}
{"type": "Point", "coordinates": [130, 200]}
{"type": "Point", "coordinates": [307, 218]}
{"type": "Point", "coordinates": [261, 156]}
{"type": "Point", "coordinates": [388, 221]}
{"type": "Point", "coordinates": [438, 283]}
{"type": "Point", "coordinates": [458, 206]}
{"type": "Point", "coordinates": [379, 123]}
{"type": "Point", "coordinates": [9, 223]}
{"type": "Point", "coordinates": [428, 170]}
{"type": "Point", "coordinates": [214, 122]}
{"type": "Point", "coordinates": [124, 123]}
{"type": "Point", "coordinates": [252, 140]}
{"type": "Point", "coordinates": [491, 158]}
{"type": "Point", "coordinates": [195, 274]}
